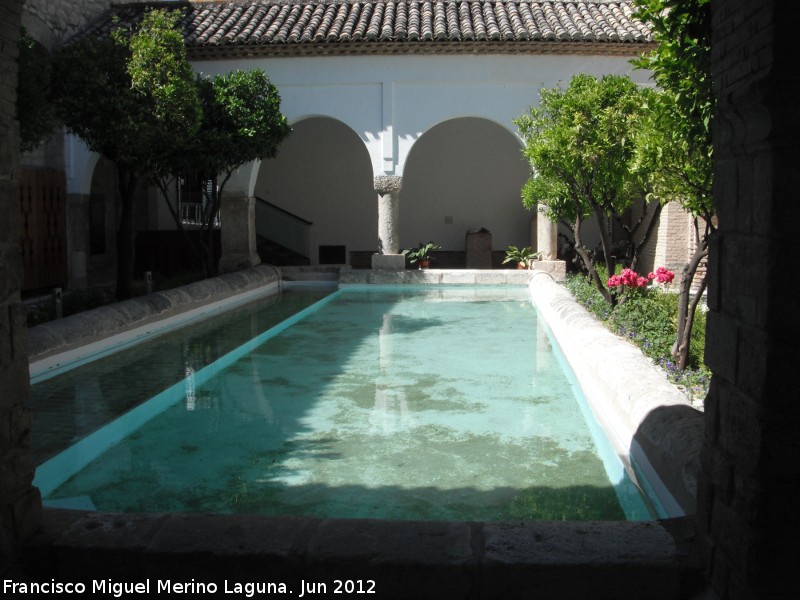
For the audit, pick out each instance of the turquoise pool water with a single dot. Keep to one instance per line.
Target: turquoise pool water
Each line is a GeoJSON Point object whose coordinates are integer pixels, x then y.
{"type": "Point", "coordinates": [445, 403]}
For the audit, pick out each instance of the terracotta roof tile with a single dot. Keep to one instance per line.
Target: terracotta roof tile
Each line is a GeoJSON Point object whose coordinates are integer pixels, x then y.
{"type": "Point", "coordinates": [343, 26]}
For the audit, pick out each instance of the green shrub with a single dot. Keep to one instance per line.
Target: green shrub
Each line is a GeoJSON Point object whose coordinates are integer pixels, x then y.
{"type": "Point", "coordinates": [648, 319]}
{"type": "Point", "coordinates": [588, 296]}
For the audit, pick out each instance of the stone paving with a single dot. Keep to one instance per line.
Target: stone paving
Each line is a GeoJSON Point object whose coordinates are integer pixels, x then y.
{"type": "Point", "coordinates": [393, 559]}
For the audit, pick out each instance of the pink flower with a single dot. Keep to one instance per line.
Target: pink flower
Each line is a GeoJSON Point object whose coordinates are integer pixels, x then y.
{"type": "Point", "coordinates": [663, 275]}
{"type": "Point", "coordinates": [634, 280]}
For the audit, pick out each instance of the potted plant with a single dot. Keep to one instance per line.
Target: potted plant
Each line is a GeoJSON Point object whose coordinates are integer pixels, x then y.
{"type": "Point", "coordinates": [522, 256]}
{"type": "Point", "coordinates": [422, 254]}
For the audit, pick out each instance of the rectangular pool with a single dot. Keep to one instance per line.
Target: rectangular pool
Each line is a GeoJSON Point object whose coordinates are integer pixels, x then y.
{"type": "Point", "coordinates": [445, 403]}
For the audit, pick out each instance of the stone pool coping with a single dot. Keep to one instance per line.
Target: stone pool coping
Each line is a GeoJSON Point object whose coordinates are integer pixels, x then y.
{"type": "Point", "coordinates": [419, 559]}
{"type": "Point", "coordinates": [91, 332]}
{"type": "Point", "coordinates": [651, 424]}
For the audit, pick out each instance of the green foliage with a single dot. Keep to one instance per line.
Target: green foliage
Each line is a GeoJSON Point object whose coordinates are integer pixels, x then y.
{"type": "Point", "coordinates": [133, 97]}
{"type": "Point", "coordinates": [588, 295]}
{"type": "Point", "coordinates": [521, 256]}
{"type": "Point", "coordinates": [682, 114]}
{"type": "Point", "coordinates": [35, 111]}
{"type": "Point", "coordinates": [161, 75]}
{"type": "Point", "coordinates": [129, 96]}
{"type": "Point", "coordinates": [422, 253]}
{"type": "Point", "coordinates": [648, 319]}
{"type": "Point", "coordinates": [582, 146]}
{"type": "Point", "coordinates": [681, 61]}
{"type": "Point", "coordinates": [581, 142]}
{"type": "Point", "coordinates": [680, 146]}
{"type": "Point", "coordinates": [242, 122]}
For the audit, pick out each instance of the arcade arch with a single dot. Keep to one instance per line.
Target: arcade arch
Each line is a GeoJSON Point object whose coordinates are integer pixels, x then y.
{"type": "Point", "coordinates": [323, 174]}
{"type": "Point", "coordinates": [461, 174]}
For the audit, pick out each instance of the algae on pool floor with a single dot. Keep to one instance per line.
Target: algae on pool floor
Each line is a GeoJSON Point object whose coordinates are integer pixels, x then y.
{"type": "Point", "coordinates": [401, 405]}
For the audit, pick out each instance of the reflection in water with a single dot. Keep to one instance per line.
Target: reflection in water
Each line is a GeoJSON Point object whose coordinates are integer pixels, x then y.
{"type": "Point", "coordinates": [428, 410]}
{"type": "Point", "coordinates": [390, 412]}
{"type": "Point", "coordinates": [191, 398]}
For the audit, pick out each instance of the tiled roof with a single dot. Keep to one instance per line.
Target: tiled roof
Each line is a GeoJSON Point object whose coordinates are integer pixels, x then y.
{"type": "Point", "coordinates": [265, 27]}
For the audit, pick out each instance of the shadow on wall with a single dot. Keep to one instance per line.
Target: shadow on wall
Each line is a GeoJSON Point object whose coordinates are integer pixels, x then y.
{"type": "Point", "coordinates": [671, 438]}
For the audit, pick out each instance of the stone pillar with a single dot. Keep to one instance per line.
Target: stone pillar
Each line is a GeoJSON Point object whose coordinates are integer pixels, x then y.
{"type": "Point", "coordinates": [20, 504]}
{"type": "Point", "coordinates": [238, 218]}
{"type": "Point", "coordinates": [388, 257]}
{"type": "Point", "coordinates": [749, 485]}
{"type": "Point", "coordinates": [546, 237]}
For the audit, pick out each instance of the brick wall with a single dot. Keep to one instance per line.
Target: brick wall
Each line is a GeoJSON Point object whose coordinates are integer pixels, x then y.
{"type": "Point", "coordinates": [748, 492]}
{"type": "Point", "coordinates": [20, 506]}
{"type": "Point", "coordinates": [670, 244]}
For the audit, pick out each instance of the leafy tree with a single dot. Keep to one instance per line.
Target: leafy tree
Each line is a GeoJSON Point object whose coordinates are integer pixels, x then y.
{"type": "Point", "coordinates": [680, 145]}
{"type": "Point", "coordinates": [130, 97]}
{"type": "Point", "coordinates": [241, 122]}
{"type": "Point", "coordinates": [582, 145]}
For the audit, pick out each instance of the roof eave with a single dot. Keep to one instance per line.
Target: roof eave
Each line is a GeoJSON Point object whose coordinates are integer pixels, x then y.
{"type": "Point", "coordinates": [384, 48]}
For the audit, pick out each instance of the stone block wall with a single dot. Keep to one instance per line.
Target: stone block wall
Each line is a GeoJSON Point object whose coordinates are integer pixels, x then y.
{"type": "Point", "coordinates": [51, 22]}
{"type": "Point", "coordinates": [20, 506]}
{"type": "Point", "coordinates": [749, 492]}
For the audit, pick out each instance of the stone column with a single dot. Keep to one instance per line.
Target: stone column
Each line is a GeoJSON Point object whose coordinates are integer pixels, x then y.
{"type": "Point", "coordinates": [388, 257]}
{"type": "Point", "coordinates": [20, 504]}
{"type": "Point", "coordinates": [238, 218]}
{"type": "Point", "coordinates": [546, 237]}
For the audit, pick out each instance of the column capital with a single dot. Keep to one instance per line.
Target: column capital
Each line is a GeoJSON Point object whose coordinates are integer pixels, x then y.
{"type": "Point", "coordinates": [387, 184]}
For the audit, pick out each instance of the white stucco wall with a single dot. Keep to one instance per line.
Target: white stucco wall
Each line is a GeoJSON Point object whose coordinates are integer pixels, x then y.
{"type": "Point", "coordinates": [390, 101]}
{"type": "Point", "coordinates": [468, 172]}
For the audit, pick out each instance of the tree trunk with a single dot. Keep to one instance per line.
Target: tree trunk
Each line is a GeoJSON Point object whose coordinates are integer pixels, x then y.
{"type": "Point", "coordinates": [587, 262]}
{"type": "Point", "coordinates": [126, 234]}
{"type": "Point", "coordinates": [197, 246]}
{"type": "Point", "coordinates": [605, 240]}
{"type": "Point", "coordinates": [215, 203]}
{"type": "Point", "coordinates": [683, 349]}
{"type": "Point", "coordinates": [687, 306]}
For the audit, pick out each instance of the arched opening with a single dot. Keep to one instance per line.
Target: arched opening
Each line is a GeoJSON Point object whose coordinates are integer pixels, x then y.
{"type": "Point", "coordinates": [464, 174]}
{"type": "Point", "coordinates": [322, 174]}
